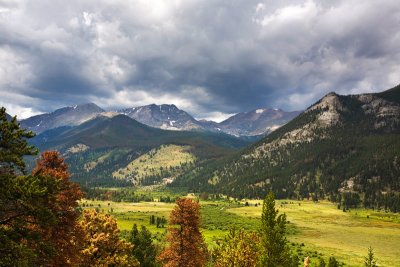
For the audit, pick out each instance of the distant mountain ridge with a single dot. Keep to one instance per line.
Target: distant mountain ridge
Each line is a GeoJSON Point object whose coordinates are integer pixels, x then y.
{"type": "Point", "coordinates": [256, 122]}
{"type": "Point", "coordinates": [67, 116]}
{"type": "Point", "coordinates": [168, 117]}
{"type": "Point", "coordinates": [341, 144]}
{"type": "Point", "coordinates": [8, 117]}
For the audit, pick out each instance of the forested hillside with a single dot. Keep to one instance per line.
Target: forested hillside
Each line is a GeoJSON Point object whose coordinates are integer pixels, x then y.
{"type": "Point", "coordinates": [342, 147]}
{"type": "Point", "coordinates": [103, 145]}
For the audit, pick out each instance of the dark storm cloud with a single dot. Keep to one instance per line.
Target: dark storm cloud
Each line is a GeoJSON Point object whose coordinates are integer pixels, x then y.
{"type": "Point", "coordinates": [208, 57]}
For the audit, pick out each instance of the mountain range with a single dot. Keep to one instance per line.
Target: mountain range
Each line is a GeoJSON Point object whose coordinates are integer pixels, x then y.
{"type": "Point", "coordinates": [341, 144]}
{"type": "Point", "coordinates": [168, 117]}
{"type": "Point", "coordinates": [101, 146]}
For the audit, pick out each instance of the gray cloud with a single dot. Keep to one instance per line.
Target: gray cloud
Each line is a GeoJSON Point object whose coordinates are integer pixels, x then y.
{"type": "Point", "coordinates": [208, 57]}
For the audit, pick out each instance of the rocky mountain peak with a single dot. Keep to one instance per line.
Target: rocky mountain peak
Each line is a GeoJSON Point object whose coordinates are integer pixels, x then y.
{"type": "Point", "coordinates": [67, 116]}
{"type": "Point", "coordinates": [165, 116]}
{"type": "Point", "coordinates": [331, 107]}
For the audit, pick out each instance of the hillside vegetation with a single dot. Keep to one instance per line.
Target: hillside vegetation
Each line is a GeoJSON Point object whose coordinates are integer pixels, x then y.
{"type": "Point", "coordinates": [165, 161]}
{"type": "Point", "coordinates": [345, 148]}
{"type": "Point", "coordinates": [105, 145]}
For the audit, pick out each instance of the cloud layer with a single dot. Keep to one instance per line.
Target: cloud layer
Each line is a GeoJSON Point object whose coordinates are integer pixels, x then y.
{"type": "Point", "coordinates": [211, 58]}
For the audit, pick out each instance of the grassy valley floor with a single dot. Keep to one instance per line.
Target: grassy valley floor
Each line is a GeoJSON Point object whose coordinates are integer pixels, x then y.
{"type": "Point", "coordinates": [321, 227]}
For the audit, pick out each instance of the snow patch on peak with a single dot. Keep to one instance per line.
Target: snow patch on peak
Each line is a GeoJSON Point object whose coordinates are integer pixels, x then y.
{"type": "Point", "coordinates": [259, 111]}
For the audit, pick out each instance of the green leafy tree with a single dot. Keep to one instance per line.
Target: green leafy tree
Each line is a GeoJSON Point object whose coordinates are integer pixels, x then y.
{"type": "Point", "coordinates": [370, 261]}
{"type": "Point", "coordinates": [239, 249]}
{"type": "Point", "coordinates": [275, 249]}
{"type": "Point", "coordinates": [144, 250]}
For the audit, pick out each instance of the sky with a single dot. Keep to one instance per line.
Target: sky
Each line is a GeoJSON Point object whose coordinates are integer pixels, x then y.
{"type": "Point", "coordinates": [211, 58]}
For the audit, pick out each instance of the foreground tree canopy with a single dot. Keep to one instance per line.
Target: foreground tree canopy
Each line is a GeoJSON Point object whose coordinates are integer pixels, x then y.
{"type": "Point", "coordinates": [39, 213]}
{"type": "Point", "coordinates": [186, 245]}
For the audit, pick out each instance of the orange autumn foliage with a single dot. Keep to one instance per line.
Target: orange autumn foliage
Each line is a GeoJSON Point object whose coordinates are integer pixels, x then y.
{"type": "Point", "coordinates": [186, 244]}
{"type": "Point", "coordinates": [65, 235]}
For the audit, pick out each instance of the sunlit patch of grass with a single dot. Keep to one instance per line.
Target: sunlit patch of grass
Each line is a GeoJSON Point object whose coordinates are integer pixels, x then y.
{"type": "Point", "coordinates": [346, 235]}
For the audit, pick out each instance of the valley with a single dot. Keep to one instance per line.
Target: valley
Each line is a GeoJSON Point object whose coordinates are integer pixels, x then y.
{"type": "Point", "coordinates": [334, 170]}
{"type": "Point", "coordinates": [323, 229]}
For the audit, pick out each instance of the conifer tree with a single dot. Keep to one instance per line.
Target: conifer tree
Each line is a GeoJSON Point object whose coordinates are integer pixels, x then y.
{"type": "Point", "coordinates": [186, 247]}
{"type": "Point", "coordinates": [13, 145]}
{"type": "Point", "coordinates": [65, 235]}
{"type": "Point", "coordinates": [370, 261]}
{"type": "Point", "coordinates": [22, 198]}
{"type": "Point", "coordinates": [333, 262]}
{"type": "Point", "coordinates": [275, 250]}
{"type": "Point", "coordinates": [143, 248]}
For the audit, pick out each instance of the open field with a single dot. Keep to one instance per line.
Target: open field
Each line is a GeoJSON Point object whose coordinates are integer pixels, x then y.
{"type": "Point", "coordinates": [320, 226]}
{"type": "Point", "coordinates": [345, 235]}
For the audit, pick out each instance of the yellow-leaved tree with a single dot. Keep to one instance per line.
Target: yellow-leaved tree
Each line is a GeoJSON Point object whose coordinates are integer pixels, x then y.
{"type": "Point", "coordinates": [102, 245]}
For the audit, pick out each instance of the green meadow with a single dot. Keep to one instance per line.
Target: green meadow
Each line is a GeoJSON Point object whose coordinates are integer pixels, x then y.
{"type": "Point", "coordinates": [315, 229]}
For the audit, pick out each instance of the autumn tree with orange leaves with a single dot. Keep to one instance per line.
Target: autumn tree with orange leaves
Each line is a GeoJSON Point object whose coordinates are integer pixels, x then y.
{"type": "Point", "coordinates": [186, 244]}
{"type": "Point", "coordinates": [65, 235]}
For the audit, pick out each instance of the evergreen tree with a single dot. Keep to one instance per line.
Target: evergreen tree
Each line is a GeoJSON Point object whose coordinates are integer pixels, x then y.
{"type": "Point", "coordinates": [370, 261]}
{"type": "Point", "coordinates": [65, 235]}
{"type": "Point", "coordinates": [333, 262]}
{"type": "Point", "coordinates": [275, 249]}
{"type": "Point", "coordinates": [23, 199]}
{"type": "Point", "coordinates": [186, 244]}
{"type": "Point", "coordinates": [13, 145]}
{"type": "Point", "coordinates": [143, 248]}
{"type": "Point", "coordinates": [321, 263]}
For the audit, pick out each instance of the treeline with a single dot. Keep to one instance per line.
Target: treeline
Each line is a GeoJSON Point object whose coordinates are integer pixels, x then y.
{"type": "Point", "coordinates": [122, 195]}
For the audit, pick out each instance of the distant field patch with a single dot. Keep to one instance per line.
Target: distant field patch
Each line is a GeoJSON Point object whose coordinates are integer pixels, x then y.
{"type": "Point", "coordinates": [163, 162]}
